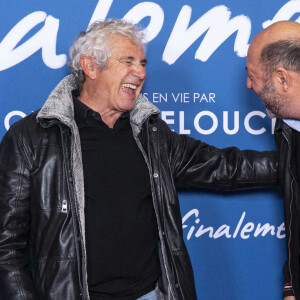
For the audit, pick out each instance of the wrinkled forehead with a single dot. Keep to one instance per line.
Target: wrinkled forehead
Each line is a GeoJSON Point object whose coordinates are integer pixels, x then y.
{"type": "Point", "coordinates": [123, 45]}
{"type": "Point", "coordinates": [118, 38]}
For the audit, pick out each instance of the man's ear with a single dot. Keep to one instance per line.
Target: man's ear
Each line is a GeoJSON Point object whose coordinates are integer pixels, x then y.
{"type": "Point", "coordinates": [88, 66]}
{"type": "Point", "coordinates": [281, 79]}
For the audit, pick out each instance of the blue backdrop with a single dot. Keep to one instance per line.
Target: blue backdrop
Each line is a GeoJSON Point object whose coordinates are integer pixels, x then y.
{"type": "Point", "coordinates": [196, 76]}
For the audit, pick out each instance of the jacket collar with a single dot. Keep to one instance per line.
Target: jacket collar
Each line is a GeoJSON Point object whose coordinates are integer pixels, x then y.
{"type": "Point", "coordinates": [282, 126]}
{"type": "Point", "coordinates": [59, 105]}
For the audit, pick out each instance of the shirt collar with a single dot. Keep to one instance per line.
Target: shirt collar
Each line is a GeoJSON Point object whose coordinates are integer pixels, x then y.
{"type": "Point", "coordinates": [80, 109]}
{"type": "Point", "coordinates": [83, 111]}
{"type": "Point", "coordinates": [295, 124]}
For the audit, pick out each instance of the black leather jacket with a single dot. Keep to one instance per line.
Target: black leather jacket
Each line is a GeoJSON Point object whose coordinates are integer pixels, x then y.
{"type": "Point", "coordinates": [290, 188]}
{"type": "Point", "coordinates": [42, 241]}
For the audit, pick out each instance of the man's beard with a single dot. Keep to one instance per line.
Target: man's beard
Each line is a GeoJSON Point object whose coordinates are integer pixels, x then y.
{"type": "Point", "coordinates": [273, 101]}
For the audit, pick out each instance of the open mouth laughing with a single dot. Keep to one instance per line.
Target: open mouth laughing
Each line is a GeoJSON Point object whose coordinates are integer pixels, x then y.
{"type": "Point", "coordinates": [129, 88]}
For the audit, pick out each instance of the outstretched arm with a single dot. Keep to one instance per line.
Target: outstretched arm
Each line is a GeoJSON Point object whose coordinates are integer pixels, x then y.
{"type": "Point", "coordinates": [197, 164]}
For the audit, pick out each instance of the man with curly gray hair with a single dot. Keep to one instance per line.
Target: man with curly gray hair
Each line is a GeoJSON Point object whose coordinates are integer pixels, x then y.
{"type": "Point", "coordinates": [88, 202]}
{"type": "Point", "coordinates": [95, 43]}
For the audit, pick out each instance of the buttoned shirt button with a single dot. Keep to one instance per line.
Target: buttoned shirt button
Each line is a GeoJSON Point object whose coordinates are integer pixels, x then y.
{"type": "Point", "coordinates": [155, 175]}
{"type": "Point", "coordinates": [154, 128]}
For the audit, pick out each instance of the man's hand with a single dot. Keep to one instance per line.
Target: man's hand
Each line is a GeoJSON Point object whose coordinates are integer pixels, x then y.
{"type": "Point", "coordinates": [289, 298]}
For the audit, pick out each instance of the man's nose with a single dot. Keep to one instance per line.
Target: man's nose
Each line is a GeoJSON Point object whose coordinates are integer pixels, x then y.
{"type": "Point", "coordinates": [139, 71]}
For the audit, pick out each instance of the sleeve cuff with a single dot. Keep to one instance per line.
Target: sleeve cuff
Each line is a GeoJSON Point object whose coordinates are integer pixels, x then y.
{"type": "Point", "coordinates": [288, 290]}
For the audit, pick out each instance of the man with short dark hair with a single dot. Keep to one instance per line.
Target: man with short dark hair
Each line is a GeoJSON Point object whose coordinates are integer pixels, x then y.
{"type": "Point", "coordinates": [88, 202]}
{"type": "Point", "coordinates": [273, 67]}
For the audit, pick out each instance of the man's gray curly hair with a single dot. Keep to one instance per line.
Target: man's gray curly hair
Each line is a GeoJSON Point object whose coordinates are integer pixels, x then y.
{"type": "Point", "coordinates": [94, 42]}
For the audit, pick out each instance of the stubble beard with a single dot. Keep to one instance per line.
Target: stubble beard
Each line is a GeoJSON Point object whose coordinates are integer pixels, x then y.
{"type": "Point", "coordinates": [273, 101]}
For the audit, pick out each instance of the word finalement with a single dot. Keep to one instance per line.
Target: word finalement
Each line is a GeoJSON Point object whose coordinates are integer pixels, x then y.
{"type": "Point", "coordinates": [240, 230]}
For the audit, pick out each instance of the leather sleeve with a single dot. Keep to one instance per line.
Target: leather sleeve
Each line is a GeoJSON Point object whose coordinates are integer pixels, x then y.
{"type": "Point", "coordinates": [15, 279]}
{"type": "Point", "coordinates": [197, 164]}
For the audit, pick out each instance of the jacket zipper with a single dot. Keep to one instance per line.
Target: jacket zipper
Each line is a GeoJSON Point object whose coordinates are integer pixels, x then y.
{"type": "Point", "coordinates": [84, 295]}
{"type": "Point", "coordinates": [156, 209]}
{"type": "Point", "coordinates": [290, 224]}
{"type": "Point", "coordinates": [64, 207]}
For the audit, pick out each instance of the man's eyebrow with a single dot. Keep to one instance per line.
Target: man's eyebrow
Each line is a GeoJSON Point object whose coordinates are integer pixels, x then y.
{"type": "Point", "coordinates": [131, 58]}
{"type": "Point", "coordinates": [127, 58]}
